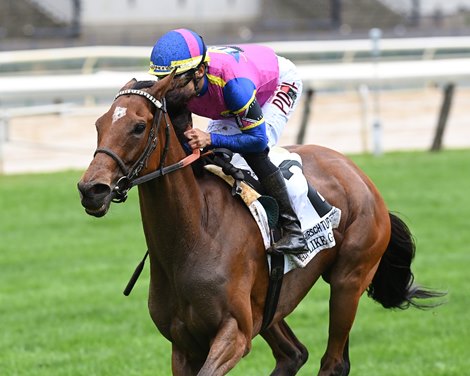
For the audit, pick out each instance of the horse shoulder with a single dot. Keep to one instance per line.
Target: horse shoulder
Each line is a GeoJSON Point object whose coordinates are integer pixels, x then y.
{"type": "Point", "coordinates": [237, 246]}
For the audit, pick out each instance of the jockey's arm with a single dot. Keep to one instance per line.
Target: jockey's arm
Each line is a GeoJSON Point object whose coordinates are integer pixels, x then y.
{"type": "Point", "coordinates": [239, 95]}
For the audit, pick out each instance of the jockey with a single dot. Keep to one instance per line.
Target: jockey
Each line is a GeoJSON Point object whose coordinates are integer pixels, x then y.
{"type": "Point", "coordinates": [249, 94]}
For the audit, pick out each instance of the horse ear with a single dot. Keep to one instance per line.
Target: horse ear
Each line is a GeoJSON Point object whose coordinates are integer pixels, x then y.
{"type": "Point", "coordinates": [129, 84]}
{"type": "Point", "coordinates": [164, 84]}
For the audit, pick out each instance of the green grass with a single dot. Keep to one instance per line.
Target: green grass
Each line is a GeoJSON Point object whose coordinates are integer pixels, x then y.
{"type": "Point", "coordinates": [62, 272]}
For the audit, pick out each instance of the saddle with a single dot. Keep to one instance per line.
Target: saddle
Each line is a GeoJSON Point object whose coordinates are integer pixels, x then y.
{"type": "Point", "coordinates": [222, 158]}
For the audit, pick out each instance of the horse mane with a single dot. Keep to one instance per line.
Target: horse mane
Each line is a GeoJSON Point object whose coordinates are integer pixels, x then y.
{"type": "Point", "coordinates": [179, 114]}
{"type": "Point", "coordinates": [143, 84]}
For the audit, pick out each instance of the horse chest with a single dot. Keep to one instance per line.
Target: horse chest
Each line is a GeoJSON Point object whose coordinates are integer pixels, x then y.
{"type": "Point", "coordinates": [187, 322]}
{"type": "Point", "coordinates": [190, 301]}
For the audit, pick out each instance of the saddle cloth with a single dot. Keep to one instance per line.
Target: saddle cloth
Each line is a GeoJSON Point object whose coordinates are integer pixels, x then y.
{"type": "Point", "coordinates": [318, 230]}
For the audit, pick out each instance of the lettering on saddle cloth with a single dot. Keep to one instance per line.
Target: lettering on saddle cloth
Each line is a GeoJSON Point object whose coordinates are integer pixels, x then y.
{"type": "Point", "coordinates": [318, 218]}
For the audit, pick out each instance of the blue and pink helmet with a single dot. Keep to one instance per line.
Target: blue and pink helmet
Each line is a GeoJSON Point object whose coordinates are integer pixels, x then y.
{"type": "Point", "coordinates": [179, 49]}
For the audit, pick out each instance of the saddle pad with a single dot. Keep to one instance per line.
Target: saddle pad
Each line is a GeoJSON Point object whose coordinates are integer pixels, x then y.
{"type": "Point", "coordinates": [318, 230]}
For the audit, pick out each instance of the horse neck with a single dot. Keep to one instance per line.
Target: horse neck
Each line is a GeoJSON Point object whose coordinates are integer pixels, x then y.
{"type": "Point", "coordinates": [172, 209]}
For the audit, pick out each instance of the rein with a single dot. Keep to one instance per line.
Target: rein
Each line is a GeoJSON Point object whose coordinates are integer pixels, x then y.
{"type": "Point", "coordinates": [130, 179]}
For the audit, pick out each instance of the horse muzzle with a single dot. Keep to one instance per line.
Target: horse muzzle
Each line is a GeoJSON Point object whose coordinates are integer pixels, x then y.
{"type": "Point", "coordinates": [95, 197]}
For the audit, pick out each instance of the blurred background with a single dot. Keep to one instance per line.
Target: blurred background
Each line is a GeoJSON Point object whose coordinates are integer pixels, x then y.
{"type": "Point", "coordinates": [379, 75]}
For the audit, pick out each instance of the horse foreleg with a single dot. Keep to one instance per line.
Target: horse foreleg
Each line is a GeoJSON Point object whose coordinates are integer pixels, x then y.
{"type": "Point", "coordinates": [289, 353]}
{"type": "Point", "coordinates": [227, 348]}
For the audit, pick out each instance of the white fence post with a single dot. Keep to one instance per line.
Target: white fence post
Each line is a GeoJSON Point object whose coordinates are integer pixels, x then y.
{"type": "Point", "coordinates": [375, 35]}
{"type": "Point", "coordinates": [364, 96]}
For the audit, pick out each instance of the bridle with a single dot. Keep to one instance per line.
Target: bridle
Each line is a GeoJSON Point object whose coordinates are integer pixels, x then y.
{"type": "Point", "coordinates": [130, 175]}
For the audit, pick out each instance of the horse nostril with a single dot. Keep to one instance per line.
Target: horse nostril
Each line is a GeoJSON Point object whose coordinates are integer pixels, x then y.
{"type": "Point", "coordinates": [100, 190]}
{"type": "Point", "coordinates": [96, 190]}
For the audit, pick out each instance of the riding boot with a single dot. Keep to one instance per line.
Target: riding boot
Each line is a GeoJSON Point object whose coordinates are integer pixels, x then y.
{"type": "Point", "coordinates": [292, 240]}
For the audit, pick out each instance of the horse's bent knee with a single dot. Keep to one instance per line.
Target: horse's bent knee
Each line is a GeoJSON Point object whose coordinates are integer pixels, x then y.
{"type": "Point", "coordinates": [228, 347]}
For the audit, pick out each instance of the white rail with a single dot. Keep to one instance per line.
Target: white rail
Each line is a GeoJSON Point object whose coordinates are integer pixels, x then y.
{"type": "Point", "coordinates": [287, 47]}
{"type": "Point", "coordinates": [397, 45]}
{"type": "Point", "coordinates": [67, 53]}
{"type": "Point", "coordinates": [317, 76]}
{"type": "Point", "coordinates": [316, 73]}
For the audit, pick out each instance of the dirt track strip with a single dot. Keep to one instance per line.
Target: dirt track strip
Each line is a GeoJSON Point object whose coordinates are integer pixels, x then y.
{"type": "Point", "coordinates": [408, 118]}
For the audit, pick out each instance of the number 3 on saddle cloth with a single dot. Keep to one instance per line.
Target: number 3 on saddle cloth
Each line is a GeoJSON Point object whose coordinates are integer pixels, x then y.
{"type": "Point", "coordinates": [317, 217]}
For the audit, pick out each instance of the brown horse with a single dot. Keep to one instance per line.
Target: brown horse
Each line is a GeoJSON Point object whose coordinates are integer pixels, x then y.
{"type": "Point", "coordinates": [208, 269]}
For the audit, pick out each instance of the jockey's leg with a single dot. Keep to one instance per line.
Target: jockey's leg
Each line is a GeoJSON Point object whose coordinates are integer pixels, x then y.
{"type": "Point", "coordinates": [271, 179]}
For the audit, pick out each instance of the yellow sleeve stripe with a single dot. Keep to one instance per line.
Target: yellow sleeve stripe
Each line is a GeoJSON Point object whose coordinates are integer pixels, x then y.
{"type": "Point", "coordinates": [253, 125]}
{"type": "Point", "coordinates": [244, 108]}
{"type": "Point", "coordinates": [216, 80]}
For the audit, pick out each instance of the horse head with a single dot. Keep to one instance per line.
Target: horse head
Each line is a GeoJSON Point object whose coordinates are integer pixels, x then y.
{"type": "Point", "coordinates": [128, 135]}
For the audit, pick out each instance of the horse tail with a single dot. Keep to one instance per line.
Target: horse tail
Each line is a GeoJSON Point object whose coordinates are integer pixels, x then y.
{"type": "Point", "coordinates": [393, 284]}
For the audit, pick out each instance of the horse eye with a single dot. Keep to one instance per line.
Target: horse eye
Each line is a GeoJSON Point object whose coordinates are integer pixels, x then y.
{"type": "Point", "coordinates": [139, 128]}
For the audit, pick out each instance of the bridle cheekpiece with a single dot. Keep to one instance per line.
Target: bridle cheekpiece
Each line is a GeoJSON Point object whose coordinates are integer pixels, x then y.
{"type": "Point", "coordinates": [127, 181]}
{"type": "Point", "coordinates": [130, 176]}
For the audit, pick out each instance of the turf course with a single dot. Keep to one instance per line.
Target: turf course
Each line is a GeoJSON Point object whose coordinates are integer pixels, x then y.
{"type": "Point", "coordinates": [62, 272]}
